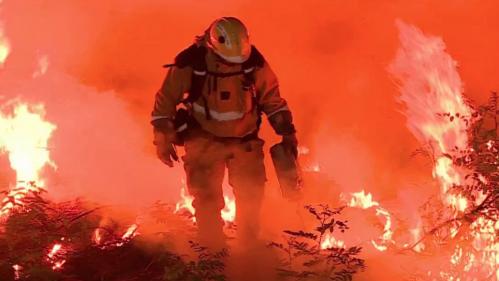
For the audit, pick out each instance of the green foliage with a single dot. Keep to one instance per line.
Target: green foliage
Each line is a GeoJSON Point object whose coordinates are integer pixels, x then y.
{"type": "Point", "coordinates": [303, 258]}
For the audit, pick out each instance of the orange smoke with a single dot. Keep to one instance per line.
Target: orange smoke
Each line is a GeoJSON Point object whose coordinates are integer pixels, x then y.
{"type": "Point", "coordinates": [96, 65]}
{"type": "Point", "coordinates": [345, 112]}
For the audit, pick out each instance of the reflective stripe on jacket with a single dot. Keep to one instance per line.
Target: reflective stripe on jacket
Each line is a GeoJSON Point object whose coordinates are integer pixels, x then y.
{"type": "Point", "coordinates": [230, 105]}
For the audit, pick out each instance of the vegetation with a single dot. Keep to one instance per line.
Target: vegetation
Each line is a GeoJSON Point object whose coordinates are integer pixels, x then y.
{"type": "Point", "coordinates": [305, 258]}
{"type": "Point", "coordinates": [29, 234]}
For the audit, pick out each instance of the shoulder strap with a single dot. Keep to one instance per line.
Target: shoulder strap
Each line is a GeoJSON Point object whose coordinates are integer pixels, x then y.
{"type": "Point", "coordinates": [191, 57]}
{"type": "Point", "coordinates": [195, 57]}
{"type": "Point", "coordinates": [256, 59]}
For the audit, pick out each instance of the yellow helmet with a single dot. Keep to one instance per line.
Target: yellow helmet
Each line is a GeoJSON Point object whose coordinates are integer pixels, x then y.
{"type": "Point", "coordinates": [229, 38]}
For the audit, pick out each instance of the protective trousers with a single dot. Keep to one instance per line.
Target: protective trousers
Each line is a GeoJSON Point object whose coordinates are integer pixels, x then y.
{"type": "Point", "coordinates": [205, 161]}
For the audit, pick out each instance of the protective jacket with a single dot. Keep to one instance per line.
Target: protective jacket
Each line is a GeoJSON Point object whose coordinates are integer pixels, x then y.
{"type": "Point", "coordinates": [229, 100]}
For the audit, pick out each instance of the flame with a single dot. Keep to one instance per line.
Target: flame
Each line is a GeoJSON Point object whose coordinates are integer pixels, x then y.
{"type": "Point", "coordinates": [437, 115]}
{"type": "Point", "coordinates": [458, 202]}
{"type": "Point", "coordinates": [303, 150]}
{"type": "Point", "coordinates": [56, 248]}
{"type": "Point", "coordinates": [185, 202]}
{"type": "Point", "coordinates": [312, 168]}
{"type": "Point", "coordinates": [42, 66]}
{"type": "Point", "coordinates": [387, 231]}
{"type": "Point", "coordinates": [417, 234]}
{"type": "Point", "coordinates": [17, 271]}
{"type": "Point", "coordinates": [490, 144]}
{"type": "Point", "coordinates": [229, 211]}
{"type": "Point", "coordinates": [97, 237]}
{"type": "Point", "coordinates": [363, 200]}
{"type": "Point", "coordinates": [485, 242]}
{"type": "Point", "coordinates": [54, 256]}
{"type": "Point", "coordinates": [431, 86]}
{"type": "Point", "coordinates": [111, 241]}
{"type": "Point", "coordinates": [445, 172]}
{"type": "Point", "coordinates": [330, 242]}
{"type": "Point", "coordinates": [24, 135]}
{"type": "Point", "coordinates": [130, 232]}
{"type": "Point", "coordinates": [4, 47]}
{"type": "Point", "coordinates": [58, 265]}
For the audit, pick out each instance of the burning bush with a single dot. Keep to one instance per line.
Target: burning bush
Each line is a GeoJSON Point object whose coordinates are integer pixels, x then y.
{"type": "Point", "coordinates": [41, 240]}
{"type": "Point", "coordinates": [459, 223]}
{"type": "Point", "coordinates": [468, 226]}
{"type": "Point", "coordinates": [317, 255]}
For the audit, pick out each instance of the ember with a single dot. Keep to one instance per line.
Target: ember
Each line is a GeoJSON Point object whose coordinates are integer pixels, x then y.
{"type": "Point", "coordinates": [56, 256]}
{"type": "Point", "coordinates": [97, 238]}
{"type": "Point", "coordinates": [17, 271]}
{"type": "Point", "coordinates": [111, 240]}
{"type": "Point", "coordinates": [330, 242]}
{"type": "Point", "coordinates": [130, 232]}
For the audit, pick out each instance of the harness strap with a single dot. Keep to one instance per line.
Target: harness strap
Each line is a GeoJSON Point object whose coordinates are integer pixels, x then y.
{"type": "Point", "coordinates": [206, 109]}
{"type": "Point", "coordinates": [195, 56]}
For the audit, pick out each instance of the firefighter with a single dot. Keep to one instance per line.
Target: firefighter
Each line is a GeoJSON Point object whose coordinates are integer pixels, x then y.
{"type": "Point", "coordinates": [222, 85]}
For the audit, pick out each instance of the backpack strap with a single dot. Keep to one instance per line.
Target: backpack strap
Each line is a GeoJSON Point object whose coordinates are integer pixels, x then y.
{"type": "Point", "coordinates": [256, 60]}
{"type": "Point", "coordinates": [195, 57]}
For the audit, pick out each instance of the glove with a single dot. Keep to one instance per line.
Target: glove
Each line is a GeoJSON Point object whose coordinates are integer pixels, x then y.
{"type": "Point", "coordinates": [165, 149]}
{"type": "Point", "coordinates": [290, 144]}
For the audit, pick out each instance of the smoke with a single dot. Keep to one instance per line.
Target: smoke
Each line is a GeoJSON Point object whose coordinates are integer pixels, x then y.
{"type": "Point", "coordinates": [104, 66]}
{"type": "Point", "coordinates": [330, 57]}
